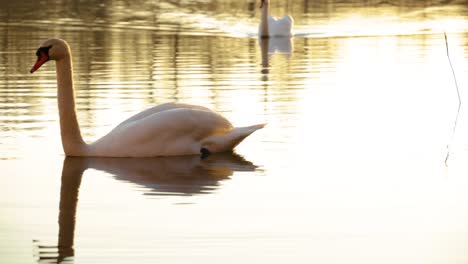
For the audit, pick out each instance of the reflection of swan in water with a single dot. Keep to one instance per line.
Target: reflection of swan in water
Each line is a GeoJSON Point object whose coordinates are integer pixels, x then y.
{"type": "Point", "coordinates": [72, 173]}
{"type": "Point", "coordinates": [277, 45]}
{"type": "Point", "coordinates": [181, 175]}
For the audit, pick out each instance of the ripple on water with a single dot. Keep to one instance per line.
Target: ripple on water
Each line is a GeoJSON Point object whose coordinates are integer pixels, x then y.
{"type": "Point", "coordinates": [359, 106]}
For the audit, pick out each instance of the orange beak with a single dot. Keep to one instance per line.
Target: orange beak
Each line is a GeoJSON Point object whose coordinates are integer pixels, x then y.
{"type": "Point", "coordinates": [41, 59]}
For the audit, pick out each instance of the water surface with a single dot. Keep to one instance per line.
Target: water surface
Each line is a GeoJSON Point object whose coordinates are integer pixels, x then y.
{"type": "Point", "coordinates": [361, 107]}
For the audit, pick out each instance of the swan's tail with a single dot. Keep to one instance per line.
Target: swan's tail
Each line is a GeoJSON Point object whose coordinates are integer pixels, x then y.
{"type": "Point", "coordinates": [228, 141]}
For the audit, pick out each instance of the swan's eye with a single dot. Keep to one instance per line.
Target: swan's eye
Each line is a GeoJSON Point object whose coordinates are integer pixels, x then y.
{"type": "Point", "coordinates": [44, 50]}
{"type": "Point", "coordinates": [42, 57]}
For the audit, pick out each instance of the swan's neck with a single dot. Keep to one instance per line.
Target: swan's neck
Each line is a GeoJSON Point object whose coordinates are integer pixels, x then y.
{"type": "Point", "coordinates": [73, 144]}
{"type": "Point", "coordinates": [264, 21]}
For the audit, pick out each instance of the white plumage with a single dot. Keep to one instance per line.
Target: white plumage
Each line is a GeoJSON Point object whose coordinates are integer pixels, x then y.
{"type": "Point", "coordinates": [166, 130]}
{"type": "Point", "coordinates": [272, 26]}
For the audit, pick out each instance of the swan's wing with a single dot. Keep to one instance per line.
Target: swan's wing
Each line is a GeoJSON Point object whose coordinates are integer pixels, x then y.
{"type": "Point", "coordinates": [161, 108]}
{"type": "Point", "coordinates": [280, 27]}
{"type": "Point", "coordinates": [171, 132]}
{"type": "Point", "coordinates": [288, 19]}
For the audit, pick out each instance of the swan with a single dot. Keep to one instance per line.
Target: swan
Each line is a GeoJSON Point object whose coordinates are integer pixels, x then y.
{"type": "Point", "coordinates": [272, 26]}
{"type": "Point", "coordinates": [170, 129]}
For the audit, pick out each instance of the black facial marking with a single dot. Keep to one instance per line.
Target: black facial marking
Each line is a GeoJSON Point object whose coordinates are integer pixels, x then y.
{"type": "Point", "coordinates": [43, 50]}
{"type": "Point", "coordinates": [204, 153]}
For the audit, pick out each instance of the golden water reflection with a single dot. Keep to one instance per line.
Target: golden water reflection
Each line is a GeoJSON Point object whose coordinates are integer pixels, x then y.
{"type": "Point", "coordinates": [360, 107]}
{"type": "Point", "coordinates": [184, 175]}
{"type": "Point", "coordinates": [239, 18]}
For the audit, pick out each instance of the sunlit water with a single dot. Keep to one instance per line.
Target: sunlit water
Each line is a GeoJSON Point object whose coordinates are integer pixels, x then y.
{"type": "Point", "coordinates": [361, 107]}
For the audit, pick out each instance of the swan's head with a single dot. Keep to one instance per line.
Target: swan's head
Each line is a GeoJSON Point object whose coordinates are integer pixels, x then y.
{"type": "Point", "coordinates": [264, 3]}
{"type": "Point", "coordinates": [51, 49]}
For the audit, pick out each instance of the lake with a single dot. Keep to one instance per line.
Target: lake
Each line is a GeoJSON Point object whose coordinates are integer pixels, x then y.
{"type": "Point", "coordinates": [363, 159]}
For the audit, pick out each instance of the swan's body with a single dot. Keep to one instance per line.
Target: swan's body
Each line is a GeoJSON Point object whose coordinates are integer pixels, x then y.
{"type": "Point", "coordinates": [165, 130]}
{"type": "Point", "coordinates": [272, 26]}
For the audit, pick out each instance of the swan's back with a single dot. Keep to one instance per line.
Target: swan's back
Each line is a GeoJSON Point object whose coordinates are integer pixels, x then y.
{"type": "Point", "coordinates": [171, 130]}
{"type": "Point", "coordinates": [280, 27]}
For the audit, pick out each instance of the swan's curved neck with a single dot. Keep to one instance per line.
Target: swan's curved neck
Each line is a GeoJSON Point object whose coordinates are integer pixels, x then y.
{"type": "Point", "coordinates": [72, 142]}
{"type": "Point", "coordinates": [264, 21]}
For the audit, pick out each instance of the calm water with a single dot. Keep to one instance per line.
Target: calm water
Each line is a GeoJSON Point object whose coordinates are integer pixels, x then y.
{"type": "Point", "coordinates": [361, 107]}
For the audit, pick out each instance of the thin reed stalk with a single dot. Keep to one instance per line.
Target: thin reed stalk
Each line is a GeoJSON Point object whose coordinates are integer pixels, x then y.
{"type": "Point", "coordinates": [459, 102]}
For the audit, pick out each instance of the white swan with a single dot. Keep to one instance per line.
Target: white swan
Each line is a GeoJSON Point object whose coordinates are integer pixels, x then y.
{"type": "Point", "coordinates": [166, 130]}
{"type": "Point", "coordinates": [272, 26]}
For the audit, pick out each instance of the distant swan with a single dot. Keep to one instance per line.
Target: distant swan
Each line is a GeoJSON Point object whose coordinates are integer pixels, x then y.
{"type": "Point", "coordinates": [272, 26]}
{"type": "Point", "coordinates": [165, 130]}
